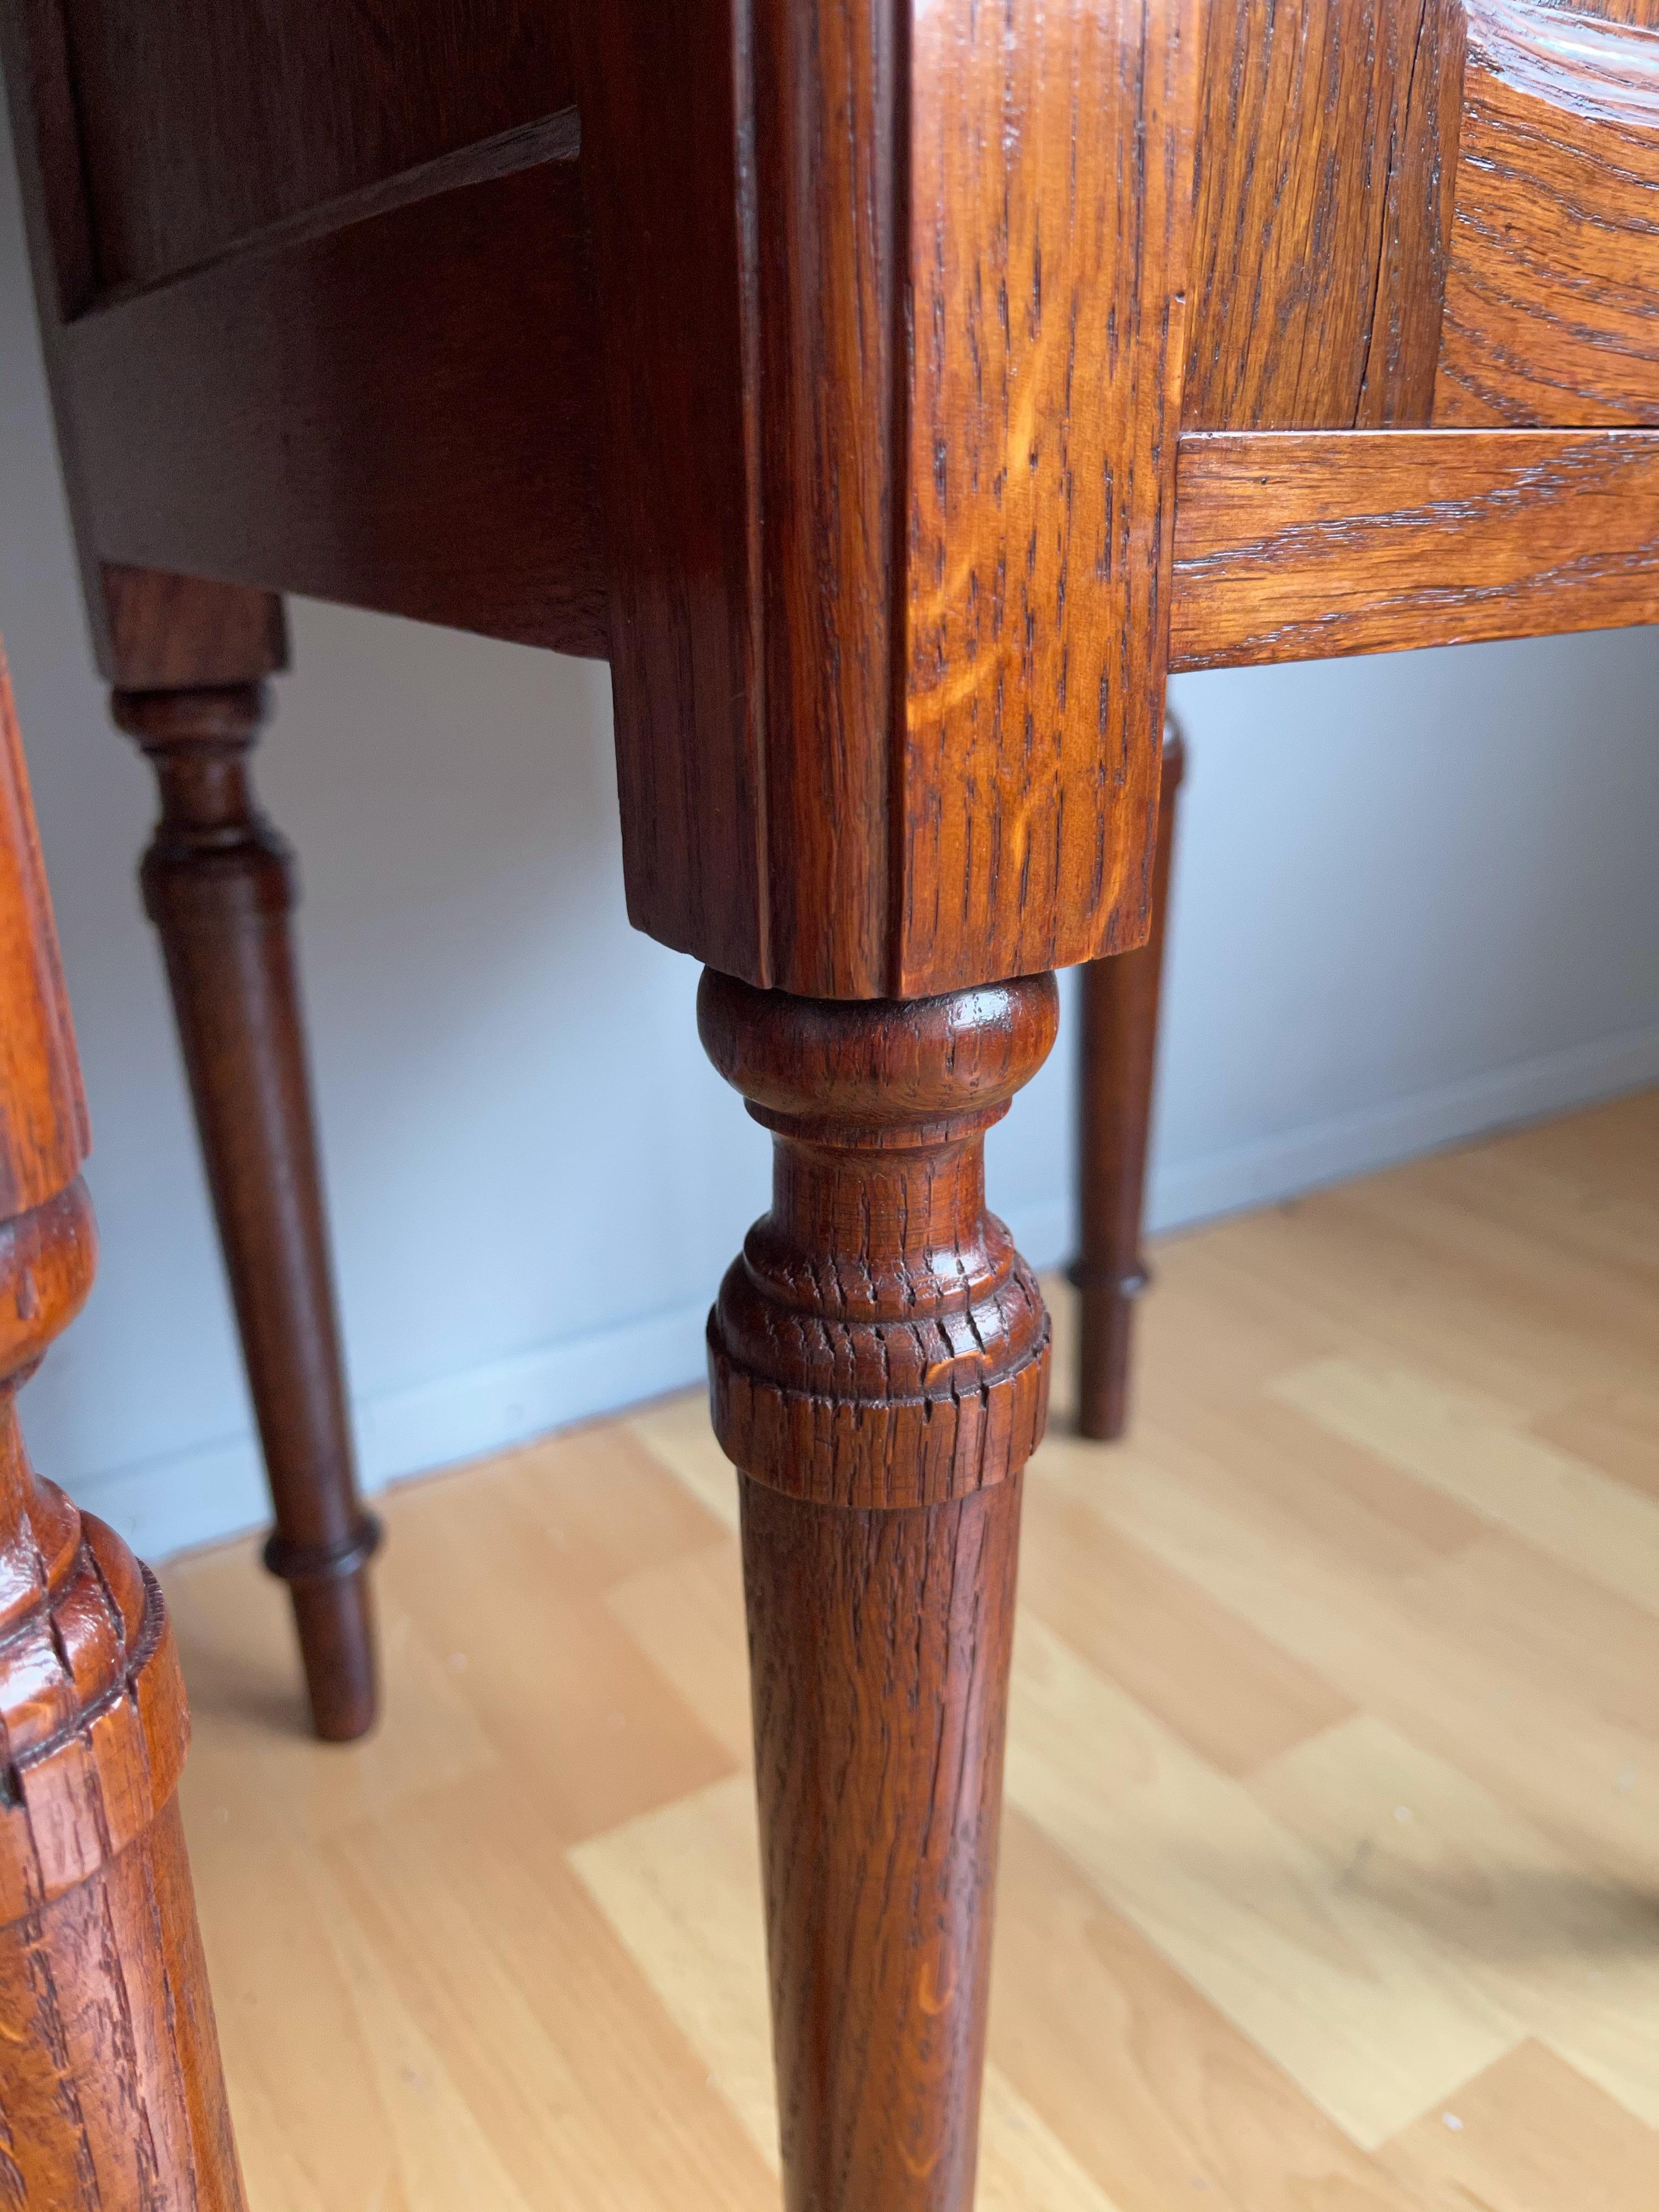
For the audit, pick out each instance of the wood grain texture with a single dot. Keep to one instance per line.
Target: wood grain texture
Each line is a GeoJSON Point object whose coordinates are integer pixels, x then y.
{"type": "Point", "coordinates": [114, 2099]}
{"type": "Point", "coordinates": [680, 1886]}
{"type": "Point", "coordinates": [829, 98]}
{"type": "Point", "coordinates": [878, 1358]}
{"type": "Point", "coordinates": [219, 884]}
{"type": "Point", "coordinates": [247, 116]}
{"type": "Point", "coordinates": [1117, 1054]}
{"type": "Point", "coordinates": [878, 1841]}
{"type": "Point", "coordinates": [888, 490]}
{"type": "Point", "coordinates": [1554, 259]}
{"type": "Point", "coordinates": [1216, 1683]}
{"type": "Point", "coordinates": [1050, 339]}
{"type": "Point", "coordinates": [426, 1988]}
{"type": "Point", "coordinates": [43, 1133]}
{"type": "Point", "coordinates": [668, 174]}
{"type": "Point", "coordinates": [880, 1342]}
{"type": "Point", "coordinates": [1527, 2131]}
{"type": "Point", "coordinates": [1403, 345]}
{"type": "Point", "coordinates": [333, 415]}
{"type": "Point", "coordinates": [1326, 149]}
{"type": "Point", "coordinates": [1292, 546]}
{"type": "Point", "coordinates": [110, 2095]}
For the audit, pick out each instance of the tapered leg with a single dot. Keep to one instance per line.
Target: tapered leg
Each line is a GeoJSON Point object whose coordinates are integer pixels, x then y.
{"type": "Point", "coordinates": [218, 885]}
{"type": "Point", "coordinates": [1116, 1060]}
{"type": "Point", "coordinates": [879, 1366]}
{"type": "Point", "coordinates": [112, 2098]}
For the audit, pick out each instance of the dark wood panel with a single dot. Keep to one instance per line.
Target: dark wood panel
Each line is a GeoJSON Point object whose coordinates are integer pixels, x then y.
{"type": "Point", "coordinates": [1326, 134]}
{"type": "Point", "coordinates": [1553, 284]}
{"type": "Point", "coordinates": [892, 393]}
{"type": "Point", "coordinates": [47, 137]}
{"type": "Point", "coordinates": [1293, 546]}
{"type": "Point", "coordinates": [47, 142]}
{"type": "Point", "coordinates": [339, 415]}
{"type": "Point", "coordinates": [202, 122]}
{"type": "Point", "coordinates": [673, 221]}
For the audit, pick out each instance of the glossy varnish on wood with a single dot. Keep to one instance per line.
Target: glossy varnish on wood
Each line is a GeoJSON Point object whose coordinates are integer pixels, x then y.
{"type": "Point", "coordinates": [1292, 545]}
{"type": "Point", "coordinates": [823, 365]}
{"type": "Point", "coordinates": [510, 1954]}
{"type": "Point", "coordinates": [1553, 276]}
{"type": "Point", "coordinates": [1353, 163]}
{"type": "Point", "coordinates": [878, 2068]}
{"type": "Point", "coordinates": [879, 1357]}
{"type": "Point", "coordinates": [219, 885]}
{"type": "Point", "coordinates": [235, 474]}
{"type": "Point", "coordinates": [829, 600]}
{"type": "Point", "coordinates": [880, 1342]}
{"type": "Point", "coordinates": [1325, 150]}
{"type": "Point", "coordinates": [43, 1136]}
{"type": "Point", "coordinates": [1047, 344]}
{"type": "Point", "coordinates": [1417, 211]}
{"type": "Point", "coordinates": [889, 477]}
{"type": "Point", "coordinates": [110, 2095]}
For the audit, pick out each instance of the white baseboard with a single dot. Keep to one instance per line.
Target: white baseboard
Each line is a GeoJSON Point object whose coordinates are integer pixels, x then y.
{"type": "Point", "coordinates": [168, 1505]}
{"type": "Point", "coordinates": [1349, 1144]}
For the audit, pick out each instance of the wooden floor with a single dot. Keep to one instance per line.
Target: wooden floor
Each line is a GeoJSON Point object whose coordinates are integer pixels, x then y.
{"type": "Point", "coordinates": [1330, 1874]}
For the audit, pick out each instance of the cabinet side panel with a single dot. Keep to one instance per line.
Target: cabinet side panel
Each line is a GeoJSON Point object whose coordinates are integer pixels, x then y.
{"type": "Point", "coordinates": [1552, 293]}
{"type": "Point", "coordinates": [203, 121]}
{"type": "Point", "coordinates": [1324, 159]}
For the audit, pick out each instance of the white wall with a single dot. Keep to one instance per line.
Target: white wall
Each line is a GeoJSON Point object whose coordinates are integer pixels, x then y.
{"type": "Point", "coordinates": [1414, 897]}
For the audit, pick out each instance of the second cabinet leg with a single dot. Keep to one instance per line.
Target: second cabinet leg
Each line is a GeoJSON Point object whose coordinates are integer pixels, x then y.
{"type": "Point", "coordinates": [879, 1366]}
{"type": "Point", "coordinates": [111, 2094]}
{"type": "Point", "coordinates": [1116, 1058]}
{"type": "Point", "coordinates": [218, 885]}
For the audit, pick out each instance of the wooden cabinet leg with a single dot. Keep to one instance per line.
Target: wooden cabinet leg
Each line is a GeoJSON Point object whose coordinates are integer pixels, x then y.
{"type": "Point", "coordinates": [1117, 1055]}
{"type": "Point", "coordinates": [112, 2098]}
{"type": "Point", "coordinates": [218, 885]}
{"type": "Point", "coordinates": [879, 1366]}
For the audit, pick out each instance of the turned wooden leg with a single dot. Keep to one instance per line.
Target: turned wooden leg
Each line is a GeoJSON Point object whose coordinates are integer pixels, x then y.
{"type": "Point", "coordinates": [879, 1366]}
{"type": "Point", "coordinates": [1116, 1059]}
{"type": "Point", "coordinates": [218, 885]}
{"type": "Point", "coordinates": [112, 2098]}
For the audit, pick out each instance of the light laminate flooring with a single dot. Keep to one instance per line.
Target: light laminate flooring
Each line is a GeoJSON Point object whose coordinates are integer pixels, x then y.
{"type": "Point", "coordinates": [1330, 1866]}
